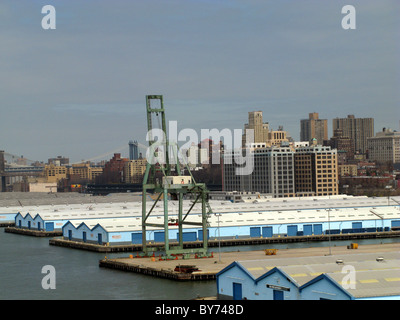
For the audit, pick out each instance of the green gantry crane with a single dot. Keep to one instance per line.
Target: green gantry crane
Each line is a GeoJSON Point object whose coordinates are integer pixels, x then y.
{"type": "Point", "coordinates": [159, 179]}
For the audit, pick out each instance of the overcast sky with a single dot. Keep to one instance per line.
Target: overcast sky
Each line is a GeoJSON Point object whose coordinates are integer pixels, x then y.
{"type": "Point", "coordinates": [79, 91]}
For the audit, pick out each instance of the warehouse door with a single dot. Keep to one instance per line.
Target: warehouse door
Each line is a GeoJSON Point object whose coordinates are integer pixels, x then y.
{"type": "Point", "coordinates": [188, 236]}
{"type": "Point", "coordinates": [49, 226]}
{"type": "Point", "coordinates": [317, 229]}
{"type": "Point", "coordinates": [292, 231]}
{"type": "Point", "coordinates": [278, 295]}
{"type": "Point", "coordinates": [69, 234]}
{"type": "Point", "coordinates": [395, 223]}
{"type": "Point", "coordinates": [307, 229]}
{"type": "Point", "coordinates": [99, 238]}
{"type": "Point", "coordinates": [159, 236]}
{"type": "Point", "coordinates": [84, 236]}
{"type": "Point", "coordinates": [136, 238]}
{"type": "Point", "coordinates": [356, 226]}
{"type": "Point", "coordinates": [255, 232]}
{"type": "Point", "coordinates": [200, 234]}
{"type": "Point", "coordinates": [267, 232]}
{"type": "Point", "coordinates": [237, 291]}
{"type": "Point", "coordinates": [29, 224]}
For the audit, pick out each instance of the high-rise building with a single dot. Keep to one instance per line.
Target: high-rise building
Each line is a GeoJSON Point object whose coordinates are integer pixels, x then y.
{"type": "Point", "coordinates": [357, 129]}
{"type": "Point", "coordinates": [344, 146]}
{"type": "Point", "coordinates": [385, 146]}
{"type": "Point", "coordinates": [260, 128]}
{"type": "Point", "coordinates": [272, 172]}
{"type": "Point", "coordinates": [134, 170]}
{"type": "Point", "coordinates": [262, 131]}
{"type": "Point", "coordinates": [316, 171]}
{"type": "Point", "coordinates": [314, 128]}
{"type": "Point", "coordinates": [2, 174]}
{"type": "Point", "coordinates": [133, 150]}
{"type": "Point", "coordinates": [282, 172]}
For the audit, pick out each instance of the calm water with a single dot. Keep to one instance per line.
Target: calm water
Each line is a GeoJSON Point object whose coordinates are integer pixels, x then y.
{"type": "Point", "coordinates": [78, 275]}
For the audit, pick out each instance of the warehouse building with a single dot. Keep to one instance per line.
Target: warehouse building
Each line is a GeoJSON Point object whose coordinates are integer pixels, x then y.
{"type": "Point", "coordinates": [115, 231]}
{"type": "Point", "coordinates": [249, 224]}
{"type": "Point", "coordinates": [51, 218]}
{"type": "Point", "coordinates": [13, 202]}
{"type": "Point", "coordinates": [269, 218]}
{"type": "Point", "coordinates": [346, 277]}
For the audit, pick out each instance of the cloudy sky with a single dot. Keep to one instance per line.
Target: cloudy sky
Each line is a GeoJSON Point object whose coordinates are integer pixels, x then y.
{"type": "Point", "coordinates": [79, 91]}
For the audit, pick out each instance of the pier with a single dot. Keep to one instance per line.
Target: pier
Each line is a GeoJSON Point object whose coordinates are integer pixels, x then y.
{"type": "Point", "coordinates": [209, 267]}
{"type": "Point", "coordinates": [32, 232]}
{"type": "Point", "coordinates": [215, 243]}
{"type": "Point", "coordinates": [7, 224]}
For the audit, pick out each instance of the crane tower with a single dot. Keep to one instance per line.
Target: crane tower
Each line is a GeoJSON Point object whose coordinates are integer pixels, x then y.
{"type": "Point", "coordinates": [158, 178]}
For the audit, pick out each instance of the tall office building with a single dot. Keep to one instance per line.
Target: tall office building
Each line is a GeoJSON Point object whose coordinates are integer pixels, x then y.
{"type": "Point", "coordinates": [262, 131]}
{"type": "Point", "coordinates": [385, 146]}
{"type": "Point", "coordinates": [357, 129]}
{"type": "Point", "coordinates": [2, 173]}
{"type": "Point", "coordinates": [260, 128]}
{"type": "Point", "coordinates": [344, 146]}
{"type": "Point", "coordinates": [316, 171]}
{"type": "Point", "coordinates": [314, 128]}
{"type": "Point", "coordinates": [133, 150]}
{"type": "Point", "coordinates": [273, 172]}
{"type": "Point", "coordinates": [134, 170]}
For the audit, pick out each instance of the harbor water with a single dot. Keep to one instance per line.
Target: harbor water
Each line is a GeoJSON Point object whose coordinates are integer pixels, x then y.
{"type": "Point", "coordinates": [79, 277]}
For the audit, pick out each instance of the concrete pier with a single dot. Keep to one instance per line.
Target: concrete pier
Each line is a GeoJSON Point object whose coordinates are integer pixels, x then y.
{"type": "Point", "coordinates": [214, 243]}
{"type": "Point", "coordinates": [209, 267]}
{"type": "Point", "coordinates": [31, 232]}
{"type": "Point", "coordinates": [7, 224]}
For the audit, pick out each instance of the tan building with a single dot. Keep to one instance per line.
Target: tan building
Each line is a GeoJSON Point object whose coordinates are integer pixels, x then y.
{"type": "Point", "coordinates": [53, 173]}
{"type": "Point", "coordinates": [262, 132]}
{"type": "Point", "coordinates": [316, 171]}
{"type": "Point", "coordinates": [275, 138]}
{"type": "Point", "coordinates": [347, 170]}
{"type": "Point", "coordinates": [134, 170]}
{"type": "Point", "coordinates": [385, 146]}
{"type": "Point", "coordinates": [85, 171]}
{"type": "Point", "coordinates": [357, 129]}
{"type": "Point", "coordinates": [260, 128]}
{"type": "Point", "coordinates": [314, 128]}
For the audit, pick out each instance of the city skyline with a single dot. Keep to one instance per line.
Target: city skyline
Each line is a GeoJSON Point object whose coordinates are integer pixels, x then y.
{"type": "Point", "coordinates": [79, 91]}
